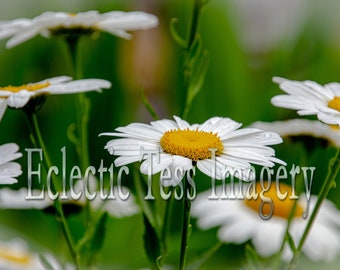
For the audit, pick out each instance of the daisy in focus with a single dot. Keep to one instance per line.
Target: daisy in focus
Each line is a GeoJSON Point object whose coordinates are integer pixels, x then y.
{"type": "Point", "coordinates": [19, 96]}
{"type": "Point", "coordinates": [9, 169]}
{"type": "Point", "coordinates": [84, 23]}
{"type": "Point", "coordinates": [310, 98]}
{"type": "Point", "coordinates": [214, 147]}
{"type": "Point", "coordinates": [239, 221]}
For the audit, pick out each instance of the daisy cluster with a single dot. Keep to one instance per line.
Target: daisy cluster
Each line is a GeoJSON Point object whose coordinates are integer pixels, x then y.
{"type": "Point", "coordinates": [270, 214]}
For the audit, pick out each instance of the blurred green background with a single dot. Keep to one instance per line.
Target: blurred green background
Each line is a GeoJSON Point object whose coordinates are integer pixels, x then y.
{"type": "Point", "coordinates": [249, 42]}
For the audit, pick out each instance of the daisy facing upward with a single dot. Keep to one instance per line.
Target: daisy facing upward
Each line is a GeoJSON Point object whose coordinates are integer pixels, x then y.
{"type": "Point", "coordinates": [183, 146]}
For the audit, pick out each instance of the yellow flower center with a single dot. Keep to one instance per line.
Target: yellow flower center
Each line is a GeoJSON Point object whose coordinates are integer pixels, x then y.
{"type": "Point", "coordinates": [192, 144]}
{"type": "Point", "coordinates": [15, 257]}
{"type": "Point", "coordinates": [335, 127]}
{"type": "Point", "coordinates": [28, 87]}
{"type": "Point", "coordinates": [281, 207]}
{"type": "Point", "coordinates": [334, 103]}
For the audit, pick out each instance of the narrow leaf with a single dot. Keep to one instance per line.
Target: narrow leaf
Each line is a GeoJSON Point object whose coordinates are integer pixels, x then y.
{"type": "Point", "coordinates": [93, 239]}
{"type": "Point", "coordinates": [148, 105]}
{"type": "Point", "coordinates": [253, 258]}
{"type": "Point", "coordinates": [151, 243]}
{"type": "Point", "coordinates": [197, 264]}
{"type": "Point", "coordinates": [291, 243]}
{"type": "Point", "coordinates": [179, 40]}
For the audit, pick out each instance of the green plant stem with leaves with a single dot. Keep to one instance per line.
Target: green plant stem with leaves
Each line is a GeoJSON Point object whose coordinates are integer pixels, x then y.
{"type": "Point", "coordinates": [196, 60]}
{"type": "Point", "coordinates": [333, 169]}
{"type": "Point", "coordinates": [186, 226]}
{"type": "Point", "coordinates": [78, 134]}
{"type": "Point", "coordinates": [55, 185]}
{"type": "Point", "coordinates": [195, 67]}
{"type": "Point", "coordinates": [83, 105]}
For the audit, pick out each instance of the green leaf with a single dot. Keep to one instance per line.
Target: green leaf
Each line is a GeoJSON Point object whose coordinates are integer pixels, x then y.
{"type": "Point", "coordinates": [197, 80]}
{"type": "Point", "coordinates": [151, 243]}
{"type": "Point", "coordinates": [195, 51]}
{"type": "Point", "coordinates": [44, 261]}
{"type": "Point", "coordinates": [197, 264]}
{"type": "Point", "coordinates": [253, 258]}
{"type": "Point", "coordinates": [179, 40]}
{"type": "Point", "coordinates": [291, 242]}
{"type": "Point", "coordinates": [71, 133]}
{"type": "Point", "coordinates": [140, 192]}
{"type": "Point", "coordinates": [93, 240]}
{"type": "Point", "coordinates": [148, 105]}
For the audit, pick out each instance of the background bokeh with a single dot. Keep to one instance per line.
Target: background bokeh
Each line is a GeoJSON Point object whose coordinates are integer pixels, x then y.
{"type": "Point", "coordinates": [249, 42]}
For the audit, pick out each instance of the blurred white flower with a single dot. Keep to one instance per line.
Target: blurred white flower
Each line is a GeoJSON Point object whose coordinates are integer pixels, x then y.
{"type": "Point", "coordinates": [55, 23]}
{"type": "Point", "coordinates": [111, 201]}
{"type": "Point", "coordinates": [17, 199]}
{"type": "Point", "coordinates": [310, 98]}
{"type": "Point", "coordinates": [9, 169]}
{"type": "Point", "coordinates": [15, 255]}
{"type": "Point", "coordinates": [18, 96]}
{"type": "Point", "coordinates": [182, 146]}
{"type": "Point", "coordinates": [302, 127]}
{"type": "Point", "coordinates": [239, 221]}
{"type": "Point", "coordinates": [117, 207]}
{"type": "Point", "coordinates": [264, 24]}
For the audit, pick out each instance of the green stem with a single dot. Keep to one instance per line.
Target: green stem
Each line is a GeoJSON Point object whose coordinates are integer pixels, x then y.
{"type": "Point", "coordinates": [198, 4]}
{"type": "Point", "coordinates": [83, 105]}
{"type": "Point", "coordinates": [82, 108]}
{"type": "Point", "coordinates": [56, 186]}
{"type": "Point", "coordinates": [185, 225]}
{"type": "Point", "coordinates": [278, 259]}
{"type": "Point", "coordinates": [166, 222]}
{"type": "Point", "coordinates": [333, 169]}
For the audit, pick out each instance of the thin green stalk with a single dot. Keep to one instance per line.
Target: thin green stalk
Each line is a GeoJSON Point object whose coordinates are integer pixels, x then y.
{"type": "Point", "coordinates": [185, 225]}
{"type": "Point", "coordinates": [83, 105]}
{"type": "Point", "coordinates": [277, 260]}
{"type": "Point", "coordinates": [166, 223]}
{"type": "Point", "coordinates": [56, 186]}
{"type": "Point", "coordinates": [333, 169]}
{"type": "Point", "coordinates": [82, 108]}
{"type": "Point", "coordinates": [198, 4]}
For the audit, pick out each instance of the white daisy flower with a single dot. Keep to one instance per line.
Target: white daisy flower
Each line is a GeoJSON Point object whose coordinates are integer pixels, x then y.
{"type": "Point", "coordinates": [18, 96]}
{"type": "Point", "coordinates": [239, 221]}
{"type": "Point", "coordinates": [310, 98]}
{"type": "Point", "coordinates": [302, 127]}
{"type": "Point", "coordinates": [179, 146]}
{"type": "Point", "coordinates": [17, 199]}
{"type": "Point", "coordinates": [61, 23]}
{"type": "Point", "coordinates": [9, 169]}
{"type": "Point", "coordinates": [15, 255]}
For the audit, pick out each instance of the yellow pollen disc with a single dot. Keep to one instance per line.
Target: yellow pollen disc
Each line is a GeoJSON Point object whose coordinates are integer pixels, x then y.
{"type": "Point", "coordinates": [13, 257]}
{"type": "Point", "coordinates": [282, 208]}
{"type": "Point", "coordinates": [28, 87]}
{"type": "Point", "coordinates": [334, 103]}
{"type": "Point", "coordinates": [335, 127]}
{"type": "Point", "coordinates": [192, 144]}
